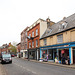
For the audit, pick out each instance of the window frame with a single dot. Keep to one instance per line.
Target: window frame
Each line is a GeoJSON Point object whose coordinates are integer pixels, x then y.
{"type": "Point", "coordinates": [45, 41]}
{"type": "Point", "coordinates": [36, 43]}
{"type": "Point", "coordinates": [60, 38]}
{"type": "Point", "coordinates": [36, 32]}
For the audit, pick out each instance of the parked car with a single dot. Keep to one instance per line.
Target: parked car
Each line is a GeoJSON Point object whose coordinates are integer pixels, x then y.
{"type": "Point", "coordinates": [6, 58]}
{"type": "Point", "coordinates": [12, 55]}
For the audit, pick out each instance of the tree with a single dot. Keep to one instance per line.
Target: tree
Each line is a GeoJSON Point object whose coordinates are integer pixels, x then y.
{"type": "Point", "coordinates": [12, 48]}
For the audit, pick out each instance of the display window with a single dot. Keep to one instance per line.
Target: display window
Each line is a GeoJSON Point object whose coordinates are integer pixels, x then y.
{"type": "Point", "coordinates": [44, 54]}
{"type": "Point", "coordinates": [50, 54]}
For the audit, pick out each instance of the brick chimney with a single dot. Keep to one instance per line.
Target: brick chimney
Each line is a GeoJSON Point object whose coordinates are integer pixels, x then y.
{"type": "Point", "coordinates": [48, 22]}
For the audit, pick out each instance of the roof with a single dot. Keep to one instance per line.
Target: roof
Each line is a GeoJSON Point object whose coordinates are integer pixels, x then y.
{"type": "Point", "coordinates": [58, 27]}
{"type": "Point", "coordinates": [35, 23]}
{"type": "Point", "coordinates": [24, 30]}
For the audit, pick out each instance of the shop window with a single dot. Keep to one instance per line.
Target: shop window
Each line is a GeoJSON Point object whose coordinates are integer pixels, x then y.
{"type": "Point", "coordinates": [60, 38]}
{"type": "Point", "coordinates": [45, 41]}
{"type": "Point", "coordinates": [50, 54]}
{"type": "Point", "coordinates": [44, 54]}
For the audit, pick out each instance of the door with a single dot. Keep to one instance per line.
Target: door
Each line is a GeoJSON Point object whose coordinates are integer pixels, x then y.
{"type": "Point", "coordinates": [74, 56]}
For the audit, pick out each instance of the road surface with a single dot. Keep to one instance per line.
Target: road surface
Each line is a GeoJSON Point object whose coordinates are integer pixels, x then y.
{"type": "Point", "coordinates": [23, 67]}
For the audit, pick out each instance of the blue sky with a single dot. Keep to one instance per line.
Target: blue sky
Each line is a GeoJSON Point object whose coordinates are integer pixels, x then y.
{"type": "Point", "coordinates": [15, 15]}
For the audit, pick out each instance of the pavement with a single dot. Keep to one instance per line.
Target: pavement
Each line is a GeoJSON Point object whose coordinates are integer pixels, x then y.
{"type": "Point", "coordinates": [2, 70]}
{"type": "Point", "coordinates": [53, 63]}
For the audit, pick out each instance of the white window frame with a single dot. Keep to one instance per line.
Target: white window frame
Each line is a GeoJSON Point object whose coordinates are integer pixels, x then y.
{"type": "Point", "coordinates": [30, 35]}
{"type": "Point", "coordinates": [32, 44]}
{"type": "Point", "coordinates": [45, 41]}
{"type": "Point", "coordinates": [33, 34]}
{"type": "Point", "coordinates": [29, 44]}
{"type": "Point", "coordinates": [36, 43]}
{"type": "Point", "coordinates": [60, 38]}
{"type": "Point", "coordinates": [36, 32]}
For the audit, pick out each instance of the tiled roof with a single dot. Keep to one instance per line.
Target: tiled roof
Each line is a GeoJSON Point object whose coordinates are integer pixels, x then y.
{"type": "Point", "coordinates": [58, 27]}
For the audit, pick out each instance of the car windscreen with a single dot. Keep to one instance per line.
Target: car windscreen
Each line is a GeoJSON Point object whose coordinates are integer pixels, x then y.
{"type": "Point", "coordinates": [6, 55]}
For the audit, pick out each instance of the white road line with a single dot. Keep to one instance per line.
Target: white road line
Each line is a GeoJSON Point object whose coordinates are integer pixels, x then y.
{"type": "Point", "coordinates": [25, 68]}
{"type": "Point", "coordinates": [33, 72]}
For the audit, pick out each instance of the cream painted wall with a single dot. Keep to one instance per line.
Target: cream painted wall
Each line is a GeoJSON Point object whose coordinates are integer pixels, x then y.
{"type": "Point", "coordinates": [43, 27]}
{"type": "Point", "coordinates": [68, 36]}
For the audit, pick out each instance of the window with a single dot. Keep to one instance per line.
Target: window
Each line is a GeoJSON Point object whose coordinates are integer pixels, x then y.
{"type": "Point", "coordinates": [36, 32]}
{"type": "Point", "coordinates": [26, 39]}
{"type": "Point", "coordinates": [26, 33]}
{"type": "Point", "coordinates": [29, 44]}
{"type": "Point", "coordinates": [36, 43]}
{"type": "Point", "coordinates": [32, 34]}
{"type": "Point", "coordinates": [25, 46]}
{"type": "Point", "coordinates": [32, 43]}
{"type": "Point", "coordinates": [64, 24]}
{"type": "Point", "coordinates": [60, 38]}
{"type": "Point", "coordinates": [45, 41]}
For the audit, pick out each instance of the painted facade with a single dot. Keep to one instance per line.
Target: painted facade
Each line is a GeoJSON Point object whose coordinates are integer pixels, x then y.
{"type": "Point", "coordinates": [58, 41]}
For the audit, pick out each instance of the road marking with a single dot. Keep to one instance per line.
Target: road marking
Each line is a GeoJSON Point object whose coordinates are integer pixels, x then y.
{"type": "Point", "coordinates": [33, 72]}
{"type": "Point", "coordinates": [25, 68]}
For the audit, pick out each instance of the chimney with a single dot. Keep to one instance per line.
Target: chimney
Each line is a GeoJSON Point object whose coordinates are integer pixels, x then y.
{"type": "Point", "coordinates": [64, 18]}
{"type": "Point", "coordinates": [48, 22]}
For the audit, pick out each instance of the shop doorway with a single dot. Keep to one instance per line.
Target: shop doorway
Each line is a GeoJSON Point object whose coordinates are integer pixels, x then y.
{"type": "Point", "coordinates": [74, 55]}
{"type": "Point", "coordinates": [63, 53]}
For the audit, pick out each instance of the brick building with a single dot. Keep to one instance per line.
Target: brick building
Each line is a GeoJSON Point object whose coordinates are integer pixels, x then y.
{"type": "Point", "coordinates": [35, 31]}
{"type": "Point", "coordinates": [23, 50]}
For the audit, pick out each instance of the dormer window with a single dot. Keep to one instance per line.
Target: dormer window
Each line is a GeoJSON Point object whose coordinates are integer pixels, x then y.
{"type": "Point", "coordinates": [64, 24]}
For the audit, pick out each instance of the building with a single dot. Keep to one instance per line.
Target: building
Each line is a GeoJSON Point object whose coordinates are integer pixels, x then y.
{"type": "Point", "coordinates": [35, 31]}
{"type": "Point", "coordinates": [59, 40]}
{"type": "Point", "coordinates": [18, 49]}
{"type": "Point", "coordinates": [23, 50]}
{"type": "Point", "coordinates": [4, 48]}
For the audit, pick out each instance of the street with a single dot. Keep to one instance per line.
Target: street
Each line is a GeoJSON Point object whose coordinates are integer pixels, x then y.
{"type": "Point", "coordinates": [24, 67]}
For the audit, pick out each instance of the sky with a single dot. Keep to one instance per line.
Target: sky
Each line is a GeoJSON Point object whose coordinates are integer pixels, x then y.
{"type": "Point", "coordinates": [16, 15]}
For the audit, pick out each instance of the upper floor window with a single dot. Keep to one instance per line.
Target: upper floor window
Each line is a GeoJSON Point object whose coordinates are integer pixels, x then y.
{"type": "Point", "coordinates": [32, 43]}
{"type": "Point", "coordinates": [26, 39]}
{"type": "Point", "coordinates": [36, 43]}
{"type": "Point", "coordinates": [32, 34]}
{"type": "Point", "coordinates": [29, 44]}
{"type": "Point", "coordinates": [26, 33]}
{"type": "Point", "coordinates": [60, 38]}
{"type": "Point", "coordinates": [45, 41]}
{"type": "Point", "coordinates": [36, 32]}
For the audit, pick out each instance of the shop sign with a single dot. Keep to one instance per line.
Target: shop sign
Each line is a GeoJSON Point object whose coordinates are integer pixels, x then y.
{"type": "Point", "coordinates": [56, 46]}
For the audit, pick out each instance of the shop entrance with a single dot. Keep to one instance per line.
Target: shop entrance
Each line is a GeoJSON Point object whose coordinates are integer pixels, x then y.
{"type": "Point", "coordinates": [32, 55]}
{"type": "Point", "coordinates": [74, 55]}
{"type": "Point", "coordinates": [63, 53]}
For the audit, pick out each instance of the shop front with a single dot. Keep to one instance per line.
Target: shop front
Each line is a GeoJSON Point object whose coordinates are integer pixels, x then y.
{"type": "Point", "coordinates": [34, 54]}
{"type": "Point", "coordinates": [50, 54]}
{"type": "Point", "coordinates": [61, 52]}
{"type": "Point", "coordinates": [74, 55]}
